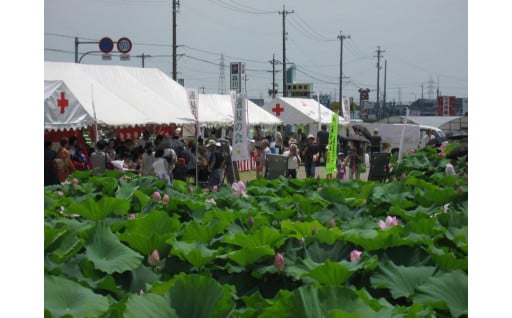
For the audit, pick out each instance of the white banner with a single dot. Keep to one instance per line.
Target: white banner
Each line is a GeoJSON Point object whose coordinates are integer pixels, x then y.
{"type": "Point", "coordinates": [240, 142]}
{"type": "Point", "coordinates": [193, 100]}
{"type": "Point", "coordinates": [346, 108]}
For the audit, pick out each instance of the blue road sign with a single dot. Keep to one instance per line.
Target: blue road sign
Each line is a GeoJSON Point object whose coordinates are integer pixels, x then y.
{"type": "Point", "coordinates": [106, 45]}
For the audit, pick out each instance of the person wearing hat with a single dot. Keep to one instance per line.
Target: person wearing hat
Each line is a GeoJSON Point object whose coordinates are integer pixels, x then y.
{"type": "Point", "coordinates": [310, 156]}
{"type": "Point", "coordinates": [215, 165]}
{"type": "Point", "coordinates": [375, 141]}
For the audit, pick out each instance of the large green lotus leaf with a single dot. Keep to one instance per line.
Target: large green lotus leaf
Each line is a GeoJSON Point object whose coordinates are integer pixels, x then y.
{"type": "Point", "coordinates": [109, 254]}
{"type": "Point", "coordinates": [51, 235]}
{"type": "Point", "coordinates": [302, 230]}
{"type": "Point", "coordinates": [126, 190]}
{"type": "Point", "coordinates": [448, 260]}
{"type": "Point", "coordinates": [148, 232]}
{"type": "Point", "coordinates": [97, 211]}
{"type": "Point", "coordinates": [140, 278]}
{"type": "Point", "coordinates": [371, 240]}
{"type": "Point", "coordinates": [333, 194]}
{"type": "Point", "coordinates": [63, 297]}
{"type": "Point", "coordinates": [249, 255]}
{"type": "Point", "coordinates": [266, 236]}
{"type": "Point", "coordinates": [325, 301]}
{"type": "Point", "coordinates": [69, 245]}
{"type": "Point", "coordinates": [393, 193]}
{"type": "Point", "coordinates": [459, 236]}
{"type": "Point", "coordinates": [148, 305]}
{"type": "Point", "coordinates": [195, 253]}
{"type": "Point", "coordinates": [401, 280]}
{"type": "Point", "coordinates": [196, 296]}
{"type": "Point", "coordinates": [427, 194]}
{"type": "Point", "coordinates": [194, 231]}
{"type": "Point", "coordinates": [446, 291]}
{"type": "Point", "coordinates": [321, 252]}
{"type": "Point", "coordinates": [333, 273]}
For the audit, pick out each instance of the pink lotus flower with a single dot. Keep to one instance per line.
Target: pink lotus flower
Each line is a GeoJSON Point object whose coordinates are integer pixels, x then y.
{"type": "Point", "coordinates": [390, 222]}
{"type": "Point", "coordinates": [279, 261]}
{"type": "Point", "coordinates": [154, 258]}
{"type": "Point", "coordinates": [443, 146]}
{"type": "Point", "coordinates": [442, 154]}
{"type": "Point", "coordinates": [355, 255]}
{"type": "Point", "coordinates": [131, 216]}
{"type": "Point", "coordinates": [412, 150]}
{"type": "Point", "coordinates": [60, 193]}
{"type": "Point", "coordinates": [238, 186]}
{"type": "Point", "coordinates": [156, 196]}
{"type": "Point", "coordinates": [331, 223]}
{"type": "Point", "coordinates": [212, 201]}
{"type": "Point", "coordinates": [165, 199]}
{"type": "Point", "coordinates": [75, 181]}
{"type": "Point", "coordinates": [390, 165]}
{"type": "Point", "coordinates": [215, 188]}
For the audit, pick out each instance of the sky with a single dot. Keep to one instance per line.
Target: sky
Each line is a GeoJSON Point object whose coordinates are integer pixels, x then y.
{"type": "Point", "coordinates": [423, 44]}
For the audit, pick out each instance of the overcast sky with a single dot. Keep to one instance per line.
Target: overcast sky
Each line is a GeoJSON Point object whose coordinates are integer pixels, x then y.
{"type": "Point", "coordinates": [424, 43]}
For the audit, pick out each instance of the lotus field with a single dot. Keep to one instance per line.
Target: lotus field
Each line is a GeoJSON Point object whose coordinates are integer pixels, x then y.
{"type": "Point", "coordinates": [121, 245]}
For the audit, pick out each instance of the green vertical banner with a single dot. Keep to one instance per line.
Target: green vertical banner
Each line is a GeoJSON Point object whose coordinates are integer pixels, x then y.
{"type": "Point", "coordinates": [332, 155]}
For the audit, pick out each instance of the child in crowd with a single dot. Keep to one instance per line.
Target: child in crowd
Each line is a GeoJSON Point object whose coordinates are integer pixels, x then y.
{"type": "Point", "coordinates": [340, 166]}
{"type": "Point", "coordinates": [293, 160]}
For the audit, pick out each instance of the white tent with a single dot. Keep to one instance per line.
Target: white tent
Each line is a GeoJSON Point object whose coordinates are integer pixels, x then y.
{"type": "Point", "coordinates": [124, 96]}
{"type": "Point", "coordinates": [258, 115]}
{"type": "Point", "coordinates": [61, 108]}
{"type": "Point", "coordinates": [300, 111]}
{"type": "Point", "coordinates": [218, 109]}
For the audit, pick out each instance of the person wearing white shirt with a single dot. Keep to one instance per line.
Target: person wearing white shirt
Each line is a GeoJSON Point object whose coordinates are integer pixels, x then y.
{"type": "Point", "coordinates": [293, 161]}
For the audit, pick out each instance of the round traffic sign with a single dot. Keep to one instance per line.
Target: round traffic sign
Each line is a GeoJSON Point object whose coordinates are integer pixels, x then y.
{"type": "Point", "coordinates": [124, 45]}
{"type": "Point", "coordinates": [106, 45]}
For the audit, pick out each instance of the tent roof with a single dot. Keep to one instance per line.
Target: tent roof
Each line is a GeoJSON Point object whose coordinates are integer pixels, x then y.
{"type": "Point", "coordinates": [446, 123]}
{"type": "Point", "coordinates": [300, 111]}
{"type": "Point", "coordinates": [124, 96]}
{"type": "Point", "coordinates": [62, 110]}
{"type": "Point", "coordinates": [218, 109]}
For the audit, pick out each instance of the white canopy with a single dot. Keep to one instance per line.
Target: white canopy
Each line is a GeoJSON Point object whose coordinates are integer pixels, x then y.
{"type": "Point", "coordinates": [124, 96]}
{"type": "Point", "coordinates": [300, 111]}
{"type": "Point", "coordinates": [218, 109]}
{"type": "Point", "coordinates": [61, 108]}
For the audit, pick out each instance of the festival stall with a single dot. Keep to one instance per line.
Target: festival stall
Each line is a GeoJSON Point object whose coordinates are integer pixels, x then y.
{"type": "Point", "coordinates": [301, 111]}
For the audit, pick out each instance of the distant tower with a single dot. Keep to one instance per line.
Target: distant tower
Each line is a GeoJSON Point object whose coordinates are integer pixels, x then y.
{"type": "Point", "coordinates": [430, 88]}
{"type": "Point", "coordinates": [222, 82]}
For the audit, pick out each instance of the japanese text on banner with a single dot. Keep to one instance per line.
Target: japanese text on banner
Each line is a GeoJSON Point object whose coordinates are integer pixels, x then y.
{"type": "Point", "coordinates": [240, 143]}
{"type": "Point", "coordinates": [332, 152]}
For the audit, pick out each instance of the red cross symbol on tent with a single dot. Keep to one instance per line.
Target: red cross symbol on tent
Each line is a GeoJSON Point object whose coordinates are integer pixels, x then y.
{"type": "Point", "coordinates": [278, 109]}
{"type": "Point", "coordinates": [62, 102]}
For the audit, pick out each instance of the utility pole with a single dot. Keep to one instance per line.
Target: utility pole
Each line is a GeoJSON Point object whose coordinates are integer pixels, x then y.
{"type": "Point", "coordinates": [284, 13]}
{"type": "Point", "coordinates": [341, 37]}
{"type": "Point", "coordinates": [175, 4]}
{"type": "Point", "coordinates": [274, 62]}
{"type": "Point", "coordinates": [378, 74]}
{"type": "Point", "coordinates": [385, 72]}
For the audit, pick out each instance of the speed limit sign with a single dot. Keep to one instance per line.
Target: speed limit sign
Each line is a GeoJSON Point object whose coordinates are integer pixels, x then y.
{"type": "Point", "coordinates": [124, 45]}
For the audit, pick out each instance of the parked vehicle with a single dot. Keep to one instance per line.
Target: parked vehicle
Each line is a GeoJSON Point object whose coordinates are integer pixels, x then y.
{"type": "Point", "coordinates": [392, 133]}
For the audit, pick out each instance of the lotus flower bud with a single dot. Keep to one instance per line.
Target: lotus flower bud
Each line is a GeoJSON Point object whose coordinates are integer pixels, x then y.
{"type": "Point", "coordinates": [156, 196]}
{"type": "Point", "coordinates": [131, 216]}
{"type": "Point", "coordinates": [314, 230]}
{"type": "Point", "coordinates": [355, 255]}
{"type": "Point", "coordinates": [165, 199]}
{"type": "Point", "coordinates": [331, 223]}
{"type": "Point", "coordinates": [215, 188]}
{"type": "Point", "coordinates": [279, 261]}
{"type": "Point", "coordinates": [154, 258]}
{"type": "Point", "coordinates": [75, 181]}
{"type": "Point", "coordinates": [251, 221]}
